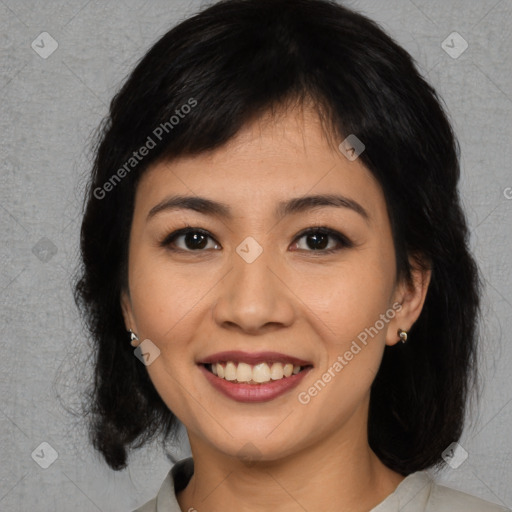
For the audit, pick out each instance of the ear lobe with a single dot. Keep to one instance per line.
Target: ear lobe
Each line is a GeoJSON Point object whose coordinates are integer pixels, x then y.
{"type": "Point", "coordinates": [126, 307]}
{"type": "Point", "coordinates": [411, 295]}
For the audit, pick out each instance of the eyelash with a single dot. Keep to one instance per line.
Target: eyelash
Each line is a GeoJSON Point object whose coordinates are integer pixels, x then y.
{"type": "Point", "coordinates": [342, 240]}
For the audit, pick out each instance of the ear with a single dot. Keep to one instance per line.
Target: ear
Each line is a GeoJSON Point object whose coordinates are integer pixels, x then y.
{"type": "Point", "coordinates": [126, 307]}
{"type": "Point", "coordinates": [411, 295]}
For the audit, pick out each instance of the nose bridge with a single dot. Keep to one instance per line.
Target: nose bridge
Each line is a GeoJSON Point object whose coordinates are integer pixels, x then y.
{"type": "Point", "coordinates": [252, 296]}
{"type": "Point", "coordinates": [252, 264]}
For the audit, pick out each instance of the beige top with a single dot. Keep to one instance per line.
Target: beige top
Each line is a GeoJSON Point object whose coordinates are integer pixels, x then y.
{"type": "Point", "coordinates": [416, 493]}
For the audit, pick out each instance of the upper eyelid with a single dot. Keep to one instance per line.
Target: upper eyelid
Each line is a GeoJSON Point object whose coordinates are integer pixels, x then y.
{"type": "Point", "coordinates": [312, 229]}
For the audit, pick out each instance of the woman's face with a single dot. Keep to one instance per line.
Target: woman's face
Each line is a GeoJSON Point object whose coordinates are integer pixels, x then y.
{"type": "Point", "coordinates": [251, 281]}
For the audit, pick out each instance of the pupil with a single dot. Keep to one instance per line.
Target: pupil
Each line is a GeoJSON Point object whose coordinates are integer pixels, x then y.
{"type": "Point", "coordinates": [316, 237]}
{"type": "Point", "coordinates": [193, 238]}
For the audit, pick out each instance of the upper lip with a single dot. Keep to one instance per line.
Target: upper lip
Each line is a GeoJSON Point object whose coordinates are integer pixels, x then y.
{"type": "Point", "coordinates": [253, 358]}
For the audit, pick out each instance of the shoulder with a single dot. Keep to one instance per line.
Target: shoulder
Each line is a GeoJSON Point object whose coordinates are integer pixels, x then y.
{"type": "Point", "coordinates": [419, 492]}
{"type": "Point", "coordinates": [446, 499]}
{"type": "Point", "coordinates": [176, 480]}
{"type": "Point", "coordinates": [150, 506]}
{"type": "Point", "coordinates": [164, 498]}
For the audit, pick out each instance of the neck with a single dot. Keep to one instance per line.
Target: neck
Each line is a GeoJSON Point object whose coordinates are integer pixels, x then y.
{"type": "Point", "coordinates": [336, 473]}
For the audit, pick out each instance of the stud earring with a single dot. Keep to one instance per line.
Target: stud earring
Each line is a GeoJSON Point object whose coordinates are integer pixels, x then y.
{"type": "Point", "coordinates": [403, 335]}
{"type": "Point", "coordinates": [134, 338]}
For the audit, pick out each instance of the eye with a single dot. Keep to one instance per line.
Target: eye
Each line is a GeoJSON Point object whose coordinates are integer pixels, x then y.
{"type": "Point", "coordinates": [194, 240]}
{"type": "Point", "coordinates": [317, 239]}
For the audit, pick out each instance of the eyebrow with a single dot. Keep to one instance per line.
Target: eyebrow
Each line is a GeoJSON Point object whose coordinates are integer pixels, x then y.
{"type": "Point", "coordinates": [284, 208]}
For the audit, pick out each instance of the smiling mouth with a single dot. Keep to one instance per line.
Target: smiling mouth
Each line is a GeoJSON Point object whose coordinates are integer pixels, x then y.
{"type": "Point", "coordinates": [261, 373]}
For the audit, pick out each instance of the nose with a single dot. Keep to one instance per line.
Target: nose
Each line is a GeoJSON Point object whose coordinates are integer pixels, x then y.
{"type": "Point", "coordinates": [255, 297]}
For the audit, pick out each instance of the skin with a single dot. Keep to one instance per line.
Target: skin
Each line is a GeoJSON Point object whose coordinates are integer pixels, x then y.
{"type": "Point", "coordinates": [292, 299]}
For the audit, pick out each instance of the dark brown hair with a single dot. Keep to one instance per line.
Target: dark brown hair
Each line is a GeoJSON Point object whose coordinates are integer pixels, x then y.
{"type": "Point", "coordinates": [237, 60]}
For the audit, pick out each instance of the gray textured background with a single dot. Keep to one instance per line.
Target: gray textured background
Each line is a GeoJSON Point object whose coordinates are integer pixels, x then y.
{"type": "Point", "coordinates": [48, 110]}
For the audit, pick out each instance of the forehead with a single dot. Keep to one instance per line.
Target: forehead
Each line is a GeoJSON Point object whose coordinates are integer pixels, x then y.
{"type": "Point", "coordinates": [270, 159]}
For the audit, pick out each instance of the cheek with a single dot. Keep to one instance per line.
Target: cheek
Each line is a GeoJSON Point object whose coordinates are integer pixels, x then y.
{"type": "Point", "coordinates": [353, 346]}
{"type": "Point", "coordinates": [349, 304]}
{"type": "Point", "coordinates": [349, 298]}
{"type": "Point", "coordinates": [163, 296]}
{"type": "Point", "coordinates": [165, 304]}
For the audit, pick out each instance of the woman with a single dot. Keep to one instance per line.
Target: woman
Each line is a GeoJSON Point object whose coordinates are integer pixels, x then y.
{"type": "Point", "coordinates": [273, 220]}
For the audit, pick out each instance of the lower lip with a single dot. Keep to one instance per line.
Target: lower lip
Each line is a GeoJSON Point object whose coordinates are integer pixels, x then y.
{"type": "Point", "coordinates": [254, 392]}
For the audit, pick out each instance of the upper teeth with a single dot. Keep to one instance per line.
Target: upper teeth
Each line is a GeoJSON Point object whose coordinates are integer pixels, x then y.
{"type": "Point", "coordinates": [262, 372]}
